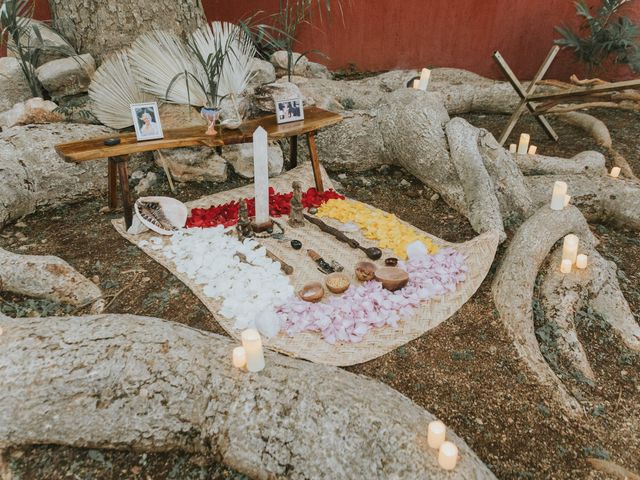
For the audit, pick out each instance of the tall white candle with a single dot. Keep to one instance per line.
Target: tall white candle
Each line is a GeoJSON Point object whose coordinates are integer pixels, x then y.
{"type": "Point", "coordinates": [582, 261]}
{"type": "Point", "coordinates": [239, 357]}
{"type": "Point", "coordinates": [436, 434]}
{"type": "Point", "coordinates": [533, 150]}
{"type": "Point", "coordinates": [252, 344]}
{"type": "Point", "coordinates": [448, 456]}
{"type": "Point", "coordinates": [565, 266]}
{"type": "Point", "coordinates": [513, 148]}
{"type": "Point", "coordinates": [261, 175]}
{"type": "Point", "coordinates": [570, 248]}
{"type": "Point", "coordinates": [416, 84]}
{"type": "Point", "coordinates": [523, 146]}
{"type": "Point", "coordinates": [615, 172]}
{"type": "Point", "coordinates": [425, 76]}
{"type": "Point", "coordinates": [559, 196]}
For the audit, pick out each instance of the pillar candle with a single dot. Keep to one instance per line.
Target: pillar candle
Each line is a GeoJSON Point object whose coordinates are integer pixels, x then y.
{"type": "Point", "coordinates": [533, 150]}
{"type": "Point", "coordinates": [559, 195]}
{"type": "Point", "coordinates": [239, 357]}
{"type": "Point", "coordinates": [252, 344]}
{"type": "Point", "coordinates": [567, 200]}
{"type": "Point", "coordinates": [416, 84]}
{"type": "Point", "coordinates": [523, 146]}
{"type": "Point", "coordinates": [513, 148]}
{"type": "Point", "coordinates": [570, 248]}
{"type": "Point", "coordinates": [425, 76]}
{"type": "Point", "coordinates": [448, 456]}
{"type": "Point", "coordinates": [261, 175]}
{"type": "Point", "coordinates": [436, 434]}
{"type": "Point", "coordinates": [615, 172]}
{"type": "Point", "coordinates": [565, 266]}
{"type": "Point", "coordinates": [582, 261]}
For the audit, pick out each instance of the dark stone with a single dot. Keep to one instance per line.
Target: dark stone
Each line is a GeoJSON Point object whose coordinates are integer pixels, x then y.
{"type": "Point", "coordinates": [296, 244]}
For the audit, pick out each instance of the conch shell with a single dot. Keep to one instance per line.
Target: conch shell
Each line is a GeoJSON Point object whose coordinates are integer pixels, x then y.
{"type": "Point", "coordinates": [163, 215]}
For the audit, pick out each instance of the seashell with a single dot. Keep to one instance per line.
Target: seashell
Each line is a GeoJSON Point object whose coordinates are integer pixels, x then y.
{"type": "Point", "coordinates": [163, 215]}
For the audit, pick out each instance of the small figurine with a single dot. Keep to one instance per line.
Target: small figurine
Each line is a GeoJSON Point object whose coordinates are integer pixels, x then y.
{"type": "Point", "coordinates": [296, 216]}
{"type": "Point", "coordinates": [244, 223]}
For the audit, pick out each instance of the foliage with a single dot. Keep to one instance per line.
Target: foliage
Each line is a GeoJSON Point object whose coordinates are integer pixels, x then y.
{"type": "Point", "coordinates": [23, 37]}
{"type": "Point", "coordinates": [609, 34]}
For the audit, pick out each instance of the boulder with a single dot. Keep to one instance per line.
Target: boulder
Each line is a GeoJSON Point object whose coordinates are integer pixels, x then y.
{"type": "Point", "coordinates": [263, 97]}
{"type": "Point", "coordinates": [34, 110]}
{"type": "Point", "coordinates": [317, 70]}
{"type": "Point", "coordinates": [34, 175]}
{"type": "Point", "coordinates": [240, 157]}
{"type": "Point", "coordinates": [197, 164]}
{"type": "Point", "coordinates": [263, 72]}
{"type": "Point", "coordinates": [53, 46]}
{"type": "Point", "coordinates": [280, 61]}
{"type": "Point", "coordinates": [146, 183]}
{"type": "Point", "coordinates": [15, 88]}
{"type": "Point", "coordinates": [67, 76]}
{"type": "Point", "coordinates": [173, 115]}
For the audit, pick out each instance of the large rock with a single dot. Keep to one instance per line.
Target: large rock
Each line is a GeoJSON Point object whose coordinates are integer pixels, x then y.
{"type": "Point", "coordinates": [263, 72]}
{"type": "Point", "coordinates": [280, 60]}
{"type": "Point", "coordinates": [240, 157]}
{"type": "Point", "coordinates": [173, 115]}
{"type": "Point", "coordinates": [67, 76]}
{"type": "Point", "coordinates": [33, 174]}
{"type": "Point", "coordinates": [197, 164]}
{"type": "Point", "coordinates": [34, 110]}
{"type": "Point", "coordinates": [263, 98]}
{"type": "Point", "coordinates": [15, 88]}
{"type": "Point", "coordinates": [53, 46]}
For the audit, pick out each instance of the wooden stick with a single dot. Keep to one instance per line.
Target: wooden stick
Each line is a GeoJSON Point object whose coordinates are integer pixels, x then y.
{"type": "Point", "coordinates": [613, 469]}
{"type": "Point", "coordinates": [166, 171]}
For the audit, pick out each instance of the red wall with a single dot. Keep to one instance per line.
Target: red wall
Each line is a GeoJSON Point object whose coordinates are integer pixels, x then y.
{"type": "Point", "coordinates": [378, 35]}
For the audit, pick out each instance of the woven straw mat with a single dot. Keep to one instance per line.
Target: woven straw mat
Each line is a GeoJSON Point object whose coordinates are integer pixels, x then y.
{"type": "Point", "coordinates": [479, 254]}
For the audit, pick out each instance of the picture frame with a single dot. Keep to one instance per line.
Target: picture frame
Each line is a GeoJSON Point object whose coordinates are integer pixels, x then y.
{"type": "Point", "coordinates": [146, 120]}
{"type": "Point", "coordinates": [290, 110]}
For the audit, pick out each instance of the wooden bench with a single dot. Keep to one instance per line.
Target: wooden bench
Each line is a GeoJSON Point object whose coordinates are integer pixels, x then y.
{"type": "Point", "coordinates": [118, 155]}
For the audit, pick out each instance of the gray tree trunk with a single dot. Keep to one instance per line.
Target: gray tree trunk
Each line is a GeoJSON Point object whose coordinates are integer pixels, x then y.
{"type": "Point", "coordinates": [100, 27]}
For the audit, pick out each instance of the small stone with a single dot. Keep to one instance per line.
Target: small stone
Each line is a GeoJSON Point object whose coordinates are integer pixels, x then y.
{"type": "Point", "coordinates": [21, 236]}
{"type": "Point", "coordinates": [492, 350]}
{"type": "Point", "coordinates": [137, 175]}
{"type": "Point", "coordinates": [435, 197]}
{"type": "Point", "coordinates": [313, 210]}
{"type": "Point", "coordinates": [366, 182]}
{"type": "Point", "coordinates": [21, 224]}
{"type": "Point", "coordinates": [95, 279]}
{"type": "Point", "coordinates": [296, 244]}
{"type": "Point", "coordinates": [146, 279]}
{"type": "Point", "coordinates": [624, 373]}
{"type": "Point", "coordinates": [405, 183]}
{"type": "Point", "coordinates": [104, 210]}
{"type": "Point", "coordinates": [342, 176]}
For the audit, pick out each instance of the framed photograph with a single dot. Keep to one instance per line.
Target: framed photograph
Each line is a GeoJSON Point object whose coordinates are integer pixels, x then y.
{"type": "Point", "coordinates": [146, 119]}
{"type": "Point", "coordinates": [289, 110]}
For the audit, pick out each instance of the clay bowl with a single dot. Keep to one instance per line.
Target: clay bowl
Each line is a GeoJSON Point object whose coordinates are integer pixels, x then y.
{"type": "Point", "coordinates": [312, 292]}
{"type": "Point", "coordinates": [337, 283]}
{"type": "Point", "coordinates": [365, 271]}
{"type": "Point", "coordinates": [392, 278]}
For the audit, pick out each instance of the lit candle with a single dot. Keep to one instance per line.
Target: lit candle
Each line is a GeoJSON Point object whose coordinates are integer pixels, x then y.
{"type": "Point", "coordinates": [436, 434]}
{"type": "Point", "coordinates": [513, 148]}
{"type": "Point", "coordinates": [582, 261]}
{"type": "Point", "coordinates": [252, 344]}
{"type": "Point", "coordinates": [523, 146]}
{"type": "Point", "coordinates": [239, 357]}
{"type": "Point", "coordinates": [416, 84]}
{"type": "Point", "coordinates": [448, 456]}
{"type": "Point", "coordinates": [565, 266]}
{"type": "Point", "coordinates": [570, 248]}
{"type": "Point", "coordinates": [567, 199]}
{"type": "Point", "coordinates": [425, 76]}
{"type": "Point", "coordinates": [615, 172]}
{"type": "Point", "coordinates": [533, 150]}
{"type": "Point", "coordinates": [559, 196]}
{"type": "Point", "coordinates": [261, 175]}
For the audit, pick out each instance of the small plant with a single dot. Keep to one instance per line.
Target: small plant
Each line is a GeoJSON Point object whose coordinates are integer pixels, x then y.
{"type": "Point", "coordinates": [609, 35]}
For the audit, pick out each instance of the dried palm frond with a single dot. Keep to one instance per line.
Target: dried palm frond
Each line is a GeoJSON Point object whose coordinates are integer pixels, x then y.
{"type": "Point", "coordinates": [164, 67]}
{"type": "Point", "coordinates": [113, 89]}
{"type": "Point", "coordinates": [237, 70]}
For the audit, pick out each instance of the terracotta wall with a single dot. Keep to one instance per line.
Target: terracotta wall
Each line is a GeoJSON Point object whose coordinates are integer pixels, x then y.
{"type": "Point", "coordinates": [385, 34]}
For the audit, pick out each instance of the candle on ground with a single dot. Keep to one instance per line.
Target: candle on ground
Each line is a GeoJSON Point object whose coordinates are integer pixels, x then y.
{"type": "Point", "coordinates": [252, 344]}
{"type": "Point", "coordinates": [436, 434]}
{"type": "Point", "coordinates": [416, 84]}
{"type": "Point", "coordinates": [565, 266]}
{"type": "Point", "coordinates": [615, 172]}
{"type": "Point", "coordinates": [567, 200]}
{"type": "Point", "coordinates": [570, 248]}
{"type": "Point", "coordinates": [425, 76]}
{"type": "Point", "coordinates": [559, 194]}
{"type": "Point", "coordinates": [239, 357]}
{"type": "Point", "coordinates": [261, 175]}
{"type": "Point", "coordinates": [448, 456]}
{"type": "Point", "coordinates": [533, 150]}
{"type": "Point", "coordinates": [513, 148]}
{"type": "Point", "coordinates": [523, 146]}
{"type": "Point", "coordinates": [582, 261]}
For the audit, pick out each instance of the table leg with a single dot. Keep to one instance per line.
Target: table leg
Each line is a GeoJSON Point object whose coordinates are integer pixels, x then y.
{"type": "Point", "coordinates": [113, 194]}
{"type": "Point", "coordinates": [315, 163]}
{"type": "Point", "coordinates": [123, 176]}
{"type": "Point", "coordinates": [293, 151]}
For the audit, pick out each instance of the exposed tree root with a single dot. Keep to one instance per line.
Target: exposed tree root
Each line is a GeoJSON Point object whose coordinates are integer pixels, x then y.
{"type": "Point", "coordinates": [585, 163]}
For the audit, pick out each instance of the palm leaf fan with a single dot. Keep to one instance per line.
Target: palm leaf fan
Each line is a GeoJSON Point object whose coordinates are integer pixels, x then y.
{"type": "Point", "coordinates": [164, 67]}
{"type": "Point", "coordinates": [113, 90]}
{"type": "Point", "coordinates": [238, 68]}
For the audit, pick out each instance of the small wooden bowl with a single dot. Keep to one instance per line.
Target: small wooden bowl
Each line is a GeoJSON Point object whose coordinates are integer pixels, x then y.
{"type": "Point", "coordinates": [391, 262]}
{"type": "Point", "coordinates": [337, 283]}
{"type": "Point", "coordinates": [392, 278]}
{"type": "Point", "coordinates": [312, 292]}
{"type": "Point", "coordinates": [365, 271]}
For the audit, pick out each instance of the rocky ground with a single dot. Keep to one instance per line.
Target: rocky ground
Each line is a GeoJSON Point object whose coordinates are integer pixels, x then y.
{"type": "Point", "coordinates": [465, 371]}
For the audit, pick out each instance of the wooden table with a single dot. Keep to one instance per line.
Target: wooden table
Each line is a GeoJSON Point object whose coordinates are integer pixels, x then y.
{"type": "Point", "coordinates": [118, 155]}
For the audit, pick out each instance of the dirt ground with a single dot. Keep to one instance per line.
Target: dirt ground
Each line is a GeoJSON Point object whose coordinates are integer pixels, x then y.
{"type": "Point", "coordinates": [466, 371]}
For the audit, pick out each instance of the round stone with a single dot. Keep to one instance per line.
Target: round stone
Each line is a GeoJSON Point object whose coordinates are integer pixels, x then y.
{"type": "Point", "coordinates": [313, 210]}
{"type": "Point", "coordinates": [296, 244]}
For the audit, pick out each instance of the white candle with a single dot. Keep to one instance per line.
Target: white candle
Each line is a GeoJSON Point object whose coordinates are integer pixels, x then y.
{"type": "Point", "coordinates": [436, 434]}
{"type": "Point", "coordinates": [565, 266]}
{"type": "Point", "coordinates": [239, 357]}
{"type": "Point", "coordinates": [252, 344]}
{"type": "Point", "coordinates": [615, 172]}
{"type": "Point", "coordinates": [425, 76]}
{"type": "Point", "coordinates": [448, 456]}
{"type": "Point", "coordinates": [533, 150]}
{"type": "Point", "coordinates": [523, 146]}
{"type": "Point", "coordinates": [513, 148]}
{"type": "Point", "coordinates": [261, 175]}
{"type": "Point", "coordinates": [559, 196]}
{"type": "Point", "coordinates": [567, 199]}
{"type": "Point", "coordinates": [570, 248]}
{"type": "Point", "coordinates": [582, 261]}
{"type": "Point", "coordinates": [416, 84]}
